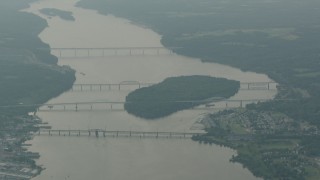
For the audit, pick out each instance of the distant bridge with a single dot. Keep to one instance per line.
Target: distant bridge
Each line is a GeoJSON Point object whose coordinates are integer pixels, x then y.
{"type": "Point", "coordinates": [74, 52]}
{"type": "Point", "coordinates": [108, 86]}
{"type": "Point", "coordinates": [84, 87]}
{"type": "Point", "coordinates": [212, 103]}
{"type": "Point", "coordinates": [105, 133]}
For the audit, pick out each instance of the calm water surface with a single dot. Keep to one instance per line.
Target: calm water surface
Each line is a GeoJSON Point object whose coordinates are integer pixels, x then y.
{"type": "Point", "coordinates": [83, 158]}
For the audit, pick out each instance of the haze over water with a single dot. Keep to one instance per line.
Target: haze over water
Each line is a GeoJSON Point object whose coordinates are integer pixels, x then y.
{"type": "Point", "coordinates": [83, 158]}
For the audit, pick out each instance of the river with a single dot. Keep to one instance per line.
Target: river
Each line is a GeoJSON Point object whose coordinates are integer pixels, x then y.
{"type": "Point", "coordinates": [83, 158]}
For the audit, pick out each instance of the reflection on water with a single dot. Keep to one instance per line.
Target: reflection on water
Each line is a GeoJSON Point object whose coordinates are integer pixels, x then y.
{"type": "Point", "coordinates": [82, 158]}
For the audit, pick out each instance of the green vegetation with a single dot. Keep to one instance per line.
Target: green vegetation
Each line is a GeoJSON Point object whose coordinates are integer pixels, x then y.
{"type": "Point", "coordinates": [278, 38]}
{"type": "Point", "coordinates": [271, 145]}
{"type": "Point", "coordinates": [51, 12]}
{"type": "Point", "coordinates": [28, 72]}
{"type": "Point", "coordinates": [178, 93]}
{"type": "Point", "coordinates": [29, 75]}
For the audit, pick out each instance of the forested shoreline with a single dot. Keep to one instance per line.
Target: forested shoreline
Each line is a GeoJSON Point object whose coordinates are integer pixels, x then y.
{"type": "Point", "coordinates": [29, 75]}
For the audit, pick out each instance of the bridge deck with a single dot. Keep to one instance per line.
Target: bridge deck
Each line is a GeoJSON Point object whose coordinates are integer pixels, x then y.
{"type": "Point", "coordinates": [105, 133]}
{"type": "Point", "coordinates": [75, 52]}
{"type": "Point", "coordinates": [109, 48]}
{"type": "Point", "coordinates": [87, 87]}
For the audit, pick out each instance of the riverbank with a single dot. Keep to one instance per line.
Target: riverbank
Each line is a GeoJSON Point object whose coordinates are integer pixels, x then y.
{"type": "Point", "coordinates": [270, 144]}
{"type": "Point", "coordinates": [29, 75]}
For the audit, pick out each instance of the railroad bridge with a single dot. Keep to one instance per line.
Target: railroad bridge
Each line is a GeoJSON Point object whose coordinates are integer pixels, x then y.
{"type": "Point", "coordinates": [84, 87]}
{"type": "Point", "coordinates": [119, 105]}
{"type": "Point", "coordinates": [75, 52]}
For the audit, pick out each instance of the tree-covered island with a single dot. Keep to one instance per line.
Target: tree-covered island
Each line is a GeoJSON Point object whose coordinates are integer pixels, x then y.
{"type": "Point", "coordinates": [178, 93]}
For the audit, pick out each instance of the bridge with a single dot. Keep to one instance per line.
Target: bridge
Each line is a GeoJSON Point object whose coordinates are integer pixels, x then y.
{"type": "Point", "coordinates": [212, 103]}
{"type": "Point", "coordinates": [85, 87]}
{"type": "Point", "coordinates": [74, 52]}
{"type": "Point", "coordinates": [106, 133]}
{"type": "Point", "coordinates": [108, 86]}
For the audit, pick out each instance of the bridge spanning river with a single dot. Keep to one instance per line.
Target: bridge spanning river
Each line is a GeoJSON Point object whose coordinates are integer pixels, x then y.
{"type": "Point", "coordinates": [119, 105]}
{"type": "Point", "coordinates": [85, 87]}
{"type": "Point", "coordinates": [74, 52]}
{"type": "Point", "coordinates": [105, 133]}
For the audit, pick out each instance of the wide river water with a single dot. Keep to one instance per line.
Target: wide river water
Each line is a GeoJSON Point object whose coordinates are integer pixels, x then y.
{"type": "Point", "coordinates": [84, 158]}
